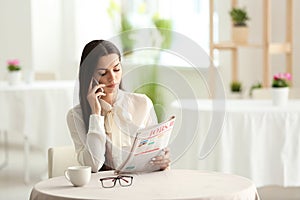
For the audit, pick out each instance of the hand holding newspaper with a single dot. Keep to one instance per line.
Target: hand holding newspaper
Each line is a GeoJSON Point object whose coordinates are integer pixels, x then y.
{"type": "Point", "coordinates": [148, 143]}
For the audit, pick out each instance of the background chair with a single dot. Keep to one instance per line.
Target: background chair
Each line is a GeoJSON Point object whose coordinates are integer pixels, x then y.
{"type": "Point", "coordinates": [59, 159]}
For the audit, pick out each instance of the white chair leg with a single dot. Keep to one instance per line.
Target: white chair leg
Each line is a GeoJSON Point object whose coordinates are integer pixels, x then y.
{"type": "Point", "coordinates": [5, 162]}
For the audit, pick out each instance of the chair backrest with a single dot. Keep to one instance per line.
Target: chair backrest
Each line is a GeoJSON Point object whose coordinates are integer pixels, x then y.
{"type": "Point", "coordinates": [59, 159]}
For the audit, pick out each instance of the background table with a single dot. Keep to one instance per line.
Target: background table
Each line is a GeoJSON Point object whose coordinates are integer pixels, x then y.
{"type": "Point", "coordinates": [168, 184]}
{"type": "Point", "coordinates": [36, 112]}
{"type": "Point", "coordinates": [258, 140]}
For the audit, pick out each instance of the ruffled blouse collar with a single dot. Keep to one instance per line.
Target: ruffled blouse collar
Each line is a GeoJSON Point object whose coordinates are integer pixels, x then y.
{"type": "Point", "coordinates": [106, 107]}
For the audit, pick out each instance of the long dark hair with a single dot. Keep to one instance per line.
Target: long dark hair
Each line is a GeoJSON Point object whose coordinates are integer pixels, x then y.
{"type": "Point", "coordinates": [88, 63]}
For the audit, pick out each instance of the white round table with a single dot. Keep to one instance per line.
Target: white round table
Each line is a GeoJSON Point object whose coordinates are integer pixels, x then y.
{"type": "Point", "coordinates": [168, 184]}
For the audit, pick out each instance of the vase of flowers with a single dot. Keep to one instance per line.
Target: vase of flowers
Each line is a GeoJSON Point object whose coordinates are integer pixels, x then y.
{"type": "Point", "coordinates": [14, 72]}
{"type": "Point", "coordinates": [280, 88]}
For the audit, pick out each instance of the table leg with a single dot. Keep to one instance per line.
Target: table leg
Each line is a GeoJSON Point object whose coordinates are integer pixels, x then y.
{"type": "Point", "coordinates": [5, 162]}
{"type": "Point", "coordinates": [26, 158]}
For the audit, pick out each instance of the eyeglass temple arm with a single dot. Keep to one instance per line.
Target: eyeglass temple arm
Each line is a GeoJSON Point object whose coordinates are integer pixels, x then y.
{"type": "Point", "coordinates": [121, 177]}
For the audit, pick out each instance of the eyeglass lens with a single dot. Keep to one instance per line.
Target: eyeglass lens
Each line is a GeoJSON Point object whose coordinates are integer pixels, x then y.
{"type": "Point", "coordinates": [108, 182]}
{"type": "Point", "coordinates": [125, 180]}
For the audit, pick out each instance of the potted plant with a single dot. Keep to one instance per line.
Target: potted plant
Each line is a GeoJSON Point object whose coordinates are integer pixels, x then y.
{"type": "Point", "coordinates": [236, 86]}
{"type": "Point", "coordinates": [239, 18]}
{"type": "Point", "coordinates": [236, 89]}
{"type": "Point", "coordinates": [280, 88]}
{"type": "Point", "coordinates": [253, 87]}
{"type": "Point", "coordinates": [14, 71]}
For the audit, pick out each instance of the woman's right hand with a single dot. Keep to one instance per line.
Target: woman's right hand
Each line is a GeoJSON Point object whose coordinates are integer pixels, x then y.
{"type": "Point", "coordinates": [93, 95]}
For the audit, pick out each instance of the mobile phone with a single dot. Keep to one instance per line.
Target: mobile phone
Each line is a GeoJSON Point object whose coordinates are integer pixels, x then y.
{"type": "Point", "coordinates": [95, 82]}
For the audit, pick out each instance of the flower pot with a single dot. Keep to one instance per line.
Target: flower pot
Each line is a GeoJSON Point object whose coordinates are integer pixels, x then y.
{"type": "Point", "coordinates": [280, 96]}
{"type": "Point", "coordinates": [14, 77]}
{"type": "Point", "coordinates": [240, 34]}
{"type": "Point", "coordinates": [235, 95]}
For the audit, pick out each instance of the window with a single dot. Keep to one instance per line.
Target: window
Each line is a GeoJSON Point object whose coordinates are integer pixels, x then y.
{"type": "Point", "coordinates": [190, 18]}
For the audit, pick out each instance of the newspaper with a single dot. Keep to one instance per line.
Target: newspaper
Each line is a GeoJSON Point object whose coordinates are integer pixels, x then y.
{"type": "Point", "coordinates": [148, 143]}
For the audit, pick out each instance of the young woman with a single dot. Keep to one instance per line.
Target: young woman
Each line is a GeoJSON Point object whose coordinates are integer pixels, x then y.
{"type": "Point", "coordinates": [102, 124]}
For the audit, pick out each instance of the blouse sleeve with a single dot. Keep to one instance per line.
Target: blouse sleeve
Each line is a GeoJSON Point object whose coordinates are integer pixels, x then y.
{"type": "Point", "coordinates": [90, 146]}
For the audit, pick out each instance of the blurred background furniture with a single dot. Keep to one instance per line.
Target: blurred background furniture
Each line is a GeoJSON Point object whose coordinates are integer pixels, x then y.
{"type": "Point", "coordinates": [258, 140]}
{"type": "Point", "coordinates": [36, 112]}
{"type": "Point", "coordinates": [44, 75]}
{"type": "Point", "coordinates": [275, 192]}
{"type": "Point", "coordinates": [59, 159]}
{"type": "Point", "coordinates": [267, 45]}
{"type": "Point", "coordinates": [5, 144]}
{"type": "Point", "coordinates": [266, 93]}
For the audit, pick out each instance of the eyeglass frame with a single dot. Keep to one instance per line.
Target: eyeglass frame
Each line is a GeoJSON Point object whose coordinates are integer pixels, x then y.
{"type": "Point", "coordinates": [115, 180]}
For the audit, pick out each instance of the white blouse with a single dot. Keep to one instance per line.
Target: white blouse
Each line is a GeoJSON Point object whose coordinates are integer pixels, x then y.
{"type": "Point", "coordinates": [113, 131]}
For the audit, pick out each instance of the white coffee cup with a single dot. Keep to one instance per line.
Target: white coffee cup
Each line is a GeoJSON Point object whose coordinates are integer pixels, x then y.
{"type": "Point", "coordinates": [78, 175]}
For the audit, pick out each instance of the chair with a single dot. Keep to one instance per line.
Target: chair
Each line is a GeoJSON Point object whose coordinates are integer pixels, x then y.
{"type": "Point", "coordinates": [59, 159]}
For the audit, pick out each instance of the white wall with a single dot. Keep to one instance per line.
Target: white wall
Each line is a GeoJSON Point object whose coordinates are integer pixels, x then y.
{"type": "Point", "coordinates": [54, 37]}
{"type": "Point", "coordinates": [69, 64]}
{"type": "Point", "coordinates": [15, 34]}
{"type": "Point", "coordinates": [47, 35]}
{"type": "Point", "coordinates": [39, 33]}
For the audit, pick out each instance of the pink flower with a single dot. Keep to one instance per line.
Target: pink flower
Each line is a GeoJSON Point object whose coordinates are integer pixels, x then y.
{"type": "Point", "coordinates": [288, 76]}
{"type": "Point", "coordinates": [285, 76]}
{"type": "Point", "coordinates": [14, 62]}
{"type": "Point", "coordinates": [276, 77]}
{"type": "Point", "coordinates": [13, 65]}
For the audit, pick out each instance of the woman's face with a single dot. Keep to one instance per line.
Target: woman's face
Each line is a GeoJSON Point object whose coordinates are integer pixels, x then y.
{"type": "Point", "coordinates": [109, 72]}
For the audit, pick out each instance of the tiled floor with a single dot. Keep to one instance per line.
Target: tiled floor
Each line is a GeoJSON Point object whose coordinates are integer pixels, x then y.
{"type": "Point", "coordinates": [12, 186]}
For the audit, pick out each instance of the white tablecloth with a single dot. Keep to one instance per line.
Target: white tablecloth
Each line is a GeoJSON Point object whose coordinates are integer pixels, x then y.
{"type": "Point", "coordinates": [168, 184]}
{"type": "Point", "coordinates": [37, 112]}
{"type": "Point", "coordinates": [258, 140]}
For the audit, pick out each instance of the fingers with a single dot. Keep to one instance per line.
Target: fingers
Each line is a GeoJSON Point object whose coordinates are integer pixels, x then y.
{"type": "Point", "coordinates": [167, 151]}
{"type": "Point", "coordinates": [95, 92]}
{"type": "Point", "coordinates": [99, 91]}
{"type": "Point", "coordinates": [159, 161]}
{"type": "Point", "coordinates": [96, 88]}
{"type": "Point", "coordinates": [163, 161]}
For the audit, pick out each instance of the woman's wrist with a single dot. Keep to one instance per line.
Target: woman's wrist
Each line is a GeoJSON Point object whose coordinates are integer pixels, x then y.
{"type": "Point", "coordinates": [96, 111]}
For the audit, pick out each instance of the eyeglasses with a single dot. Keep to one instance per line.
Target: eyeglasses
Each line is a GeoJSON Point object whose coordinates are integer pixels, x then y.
{"type": "Point", "coordinates": [110, 182]}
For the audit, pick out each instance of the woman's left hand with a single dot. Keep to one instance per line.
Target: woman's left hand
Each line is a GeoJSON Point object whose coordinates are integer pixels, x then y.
{"type": "Point", "coordinates": [163, 161]}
